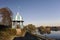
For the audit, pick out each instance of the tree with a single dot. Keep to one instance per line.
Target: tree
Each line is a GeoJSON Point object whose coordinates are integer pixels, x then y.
{"type": "Point", "coordinates": [43, 30]}
{"type": "Point", "coordinates": [31, 27]}
{"type": "Point", "coordinates": [6, 16]}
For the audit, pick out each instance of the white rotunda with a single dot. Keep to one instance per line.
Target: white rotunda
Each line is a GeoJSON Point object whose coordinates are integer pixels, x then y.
{"type": "Point", "coordinates": [18, 20]}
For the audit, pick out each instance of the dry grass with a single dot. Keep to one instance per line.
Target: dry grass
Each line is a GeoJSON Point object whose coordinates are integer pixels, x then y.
{"type": "Point", "coordinates": [7, 34]}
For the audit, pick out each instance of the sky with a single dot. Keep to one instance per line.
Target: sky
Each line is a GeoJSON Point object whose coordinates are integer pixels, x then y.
{"type": "Point", "coordinates": [37, 12]}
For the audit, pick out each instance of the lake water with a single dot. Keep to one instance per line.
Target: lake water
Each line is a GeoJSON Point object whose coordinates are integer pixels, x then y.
{"type": "Point", "coordinates": [53, 34]}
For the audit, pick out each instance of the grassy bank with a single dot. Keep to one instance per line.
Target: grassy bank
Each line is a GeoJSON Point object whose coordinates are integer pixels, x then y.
{"type": "Point", "coordinates": [7, 34]}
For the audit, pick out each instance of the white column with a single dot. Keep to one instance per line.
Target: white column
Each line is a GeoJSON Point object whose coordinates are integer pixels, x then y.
{"type": "Point", "coordinates": [21, 25]}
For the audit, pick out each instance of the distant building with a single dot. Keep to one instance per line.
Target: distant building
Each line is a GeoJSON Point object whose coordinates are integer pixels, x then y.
{"type": "Point", "coordinates": [17, 21]}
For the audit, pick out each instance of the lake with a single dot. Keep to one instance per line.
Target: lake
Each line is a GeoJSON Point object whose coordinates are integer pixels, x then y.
{"type": "Point", "coordinates": [53, 34]}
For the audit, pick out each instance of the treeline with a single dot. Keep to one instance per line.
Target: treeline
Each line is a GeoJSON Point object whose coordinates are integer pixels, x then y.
{"type": "Point", "coordinates": [40, 29]}
{"type": "Point", "coordinates": [43, 29]}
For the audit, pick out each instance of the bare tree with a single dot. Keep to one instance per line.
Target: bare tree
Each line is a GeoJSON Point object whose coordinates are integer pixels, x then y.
{"type": "Point", "coordinates": [6, 16]}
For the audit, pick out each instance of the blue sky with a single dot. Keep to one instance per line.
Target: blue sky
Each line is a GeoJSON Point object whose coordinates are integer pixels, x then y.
{"type": "Point", "coordinates": [37, 12]}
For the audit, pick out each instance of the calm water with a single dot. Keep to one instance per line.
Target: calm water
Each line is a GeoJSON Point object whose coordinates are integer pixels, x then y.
{"type": "Point", "coordinates": [53, 34]}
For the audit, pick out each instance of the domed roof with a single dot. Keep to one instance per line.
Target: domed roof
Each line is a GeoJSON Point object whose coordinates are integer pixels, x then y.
{"type": "Point", "coordinates": [18, 17]}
